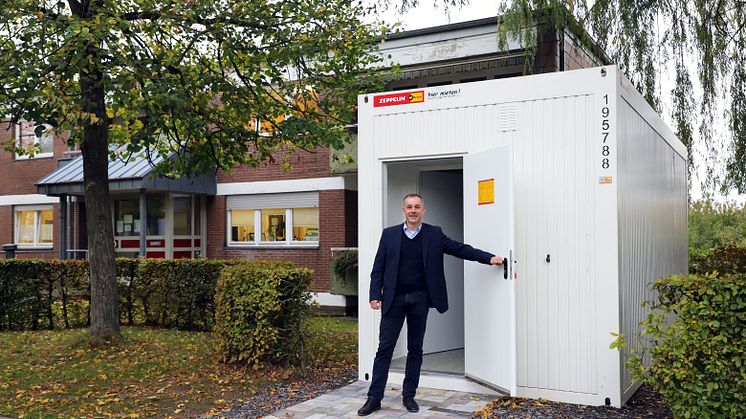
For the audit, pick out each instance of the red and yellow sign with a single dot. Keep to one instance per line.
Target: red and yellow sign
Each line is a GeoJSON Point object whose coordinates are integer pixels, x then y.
{"type": "Point", "coordinates": [486, 191]}
{"type": "Point", "coordinates": [403, 98]}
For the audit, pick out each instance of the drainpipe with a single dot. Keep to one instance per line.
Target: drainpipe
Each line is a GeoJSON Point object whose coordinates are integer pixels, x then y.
{"type": "Point", "coordinates": [143, 222]}
{"type": "Point", "coordinates": [561, 41]}
{"type": "Point", "coordinates": [63, 226]}
{"type": "Point", "coordinates": [69, 239]}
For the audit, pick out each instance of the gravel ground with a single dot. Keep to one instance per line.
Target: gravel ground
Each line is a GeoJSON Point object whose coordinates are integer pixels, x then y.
{"type": "Point", "coordinates": [646, 403]}
{"type": "Point", "coordinates": [281, 395]}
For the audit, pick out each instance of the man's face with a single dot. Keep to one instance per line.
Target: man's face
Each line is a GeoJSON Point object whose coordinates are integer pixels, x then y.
{"type": "Point", "coordinates": [413, 210]}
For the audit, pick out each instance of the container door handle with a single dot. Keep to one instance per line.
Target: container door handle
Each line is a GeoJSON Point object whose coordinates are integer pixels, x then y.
{"type": "Point", "coordinates": [505, 268]}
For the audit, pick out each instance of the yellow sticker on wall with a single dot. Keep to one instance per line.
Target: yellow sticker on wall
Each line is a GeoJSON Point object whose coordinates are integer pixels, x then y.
{"type": "Point", "coordinates": [486, 191]}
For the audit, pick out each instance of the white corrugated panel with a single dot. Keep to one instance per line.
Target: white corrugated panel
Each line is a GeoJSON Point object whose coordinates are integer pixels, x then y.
{"type": "Point", "coordinates": [556, 309]}
{"type": "Point", "coordinates": [555, 301]}
{"type": "Point", "coordinates": [652, 219]}
{"type": "Point", "coordinates": [449, 131]}
{"type": "Point", "coordinates": [280, 200]}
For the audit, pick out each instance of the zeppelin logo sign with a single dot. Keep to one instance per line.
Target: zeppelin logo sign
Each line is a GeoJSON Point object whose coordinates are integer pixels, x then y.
{"type": "Point", "coordinates": [399, 99]}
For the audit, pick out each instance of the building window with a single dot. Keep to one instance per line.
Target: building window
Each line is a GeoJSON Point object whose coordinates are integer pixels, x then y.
{"type": "Point", "coordinates": [279, 219]}
{"type": "Point", "coordinates": [33, 226]}
{"type": "Point", "coordinates": [156, 220]}
{"type": "Point", "coordinates": [306, 224]}
{"type": "Point", "coordinates": [183, 216]}
{"type": "Point", "coordinates": [242, 226]}
{"type": "Point", "coordinates": [27, 140]}
{"type": "Point", "coordinates": [197, 215]}
{"type": "Point", "coordinates": [273, 225]}
{"type": "Point", "coordinates": [127, 217]}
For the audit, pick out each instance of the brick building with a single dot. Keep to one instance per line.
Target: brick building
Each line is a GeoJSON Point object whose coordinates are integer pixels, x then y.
{"type": "Point", "coordinates": [253, 213]}
{"type": "Point", "coordinates": [27, 218]}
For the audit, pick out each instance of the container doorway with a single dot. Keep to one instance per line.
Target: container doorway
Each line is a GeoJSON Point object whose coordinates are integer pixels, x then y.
{"type": "Point", "coordinates": [440, 182]}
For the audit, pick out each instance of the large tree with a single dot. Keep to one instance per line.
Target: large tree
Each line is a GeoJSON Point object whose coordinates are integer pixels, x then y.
{"type": "Point", "coordinates": [212, 83]}
{"type": "Point", "coordinates": [701, 44]}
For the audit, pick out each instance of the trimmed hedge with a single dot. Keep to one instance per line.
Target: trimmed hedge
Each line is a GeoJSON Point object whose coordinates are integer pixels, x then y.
{"type": "Point", "coordinates": [21, 301]}
{"type": "Point", "coordinates": [176, 293]}
{"type": "Point", "coordinates": [36, 294]}
{"type": "Point", "coordinates": [29, 290]}
{"type": "Point", "coordinates": [698, 345]}
{"type": "Point", "coordinates": [261, 308]}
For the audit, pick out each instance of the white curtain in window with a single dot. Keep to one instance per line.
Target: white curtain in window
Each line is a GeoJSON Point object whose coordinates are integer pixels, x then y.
{"type": "Point", "coordinates": [34, 226]}
{"type": "Point", "coordinates": [25, 227]}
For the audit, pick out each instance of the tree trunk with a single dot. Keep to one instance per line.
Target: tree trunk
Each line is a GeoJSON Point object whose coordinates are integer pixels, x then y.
{"type": "Point", "coordinates": [95, 150]}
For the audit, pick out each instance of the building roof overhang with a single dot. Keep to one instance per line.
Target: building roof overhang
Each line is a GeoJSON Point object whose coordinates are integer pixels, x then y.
{"type": "Point", "coordinates": [132, 174]}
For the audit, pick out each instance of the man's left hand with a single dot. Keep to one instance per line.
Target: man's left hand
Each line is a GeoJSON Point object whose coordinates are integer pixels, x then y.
{"type": "Point", "coordinates": [496, 260]}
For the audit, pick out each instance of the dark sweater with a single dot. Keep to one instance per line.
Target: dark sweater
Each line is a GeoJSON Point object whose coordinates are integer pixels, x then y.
{"type": "Point", "coordinates": [411, 265]}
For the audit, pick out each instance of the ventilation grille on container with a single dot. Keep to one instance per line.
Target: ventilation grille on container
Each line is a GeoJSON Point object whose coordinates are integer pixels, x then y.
{"type": "Point", "coordinates": [507, 117]}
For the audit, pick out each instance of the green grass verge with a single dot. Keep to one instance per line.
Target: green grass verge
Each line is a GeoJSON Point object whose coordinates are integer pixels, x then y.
{"type": "Point", "coordinates": [151, 372]}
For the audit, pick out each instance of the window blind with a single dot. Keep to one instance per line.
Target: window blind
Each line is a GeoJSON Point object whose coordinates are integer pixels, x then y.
{"type": "Point", "coordinates": [273, 200]}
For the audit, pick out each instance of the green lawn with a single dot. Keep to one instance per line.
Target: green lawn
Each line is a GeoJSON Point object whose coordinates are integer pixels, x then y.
{"type": "Point", "coordinates": [152, 372]}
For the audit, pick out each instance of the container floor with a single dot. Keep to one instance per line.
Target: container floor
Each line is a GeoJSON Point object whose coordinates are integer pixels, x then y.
{"type": "Point", "coordinates": [447, 362]}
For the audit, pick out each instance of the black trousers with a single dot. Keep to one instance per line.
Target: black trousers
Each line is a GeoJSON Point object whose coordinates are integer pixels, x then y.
{"type": "Point", "coordinates": [414, 308]}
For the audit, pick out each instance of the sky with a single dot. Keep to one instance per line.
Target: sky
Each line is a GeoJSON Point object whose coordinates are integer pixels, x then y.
{"type": "Point", "coordinates": [425, 15]}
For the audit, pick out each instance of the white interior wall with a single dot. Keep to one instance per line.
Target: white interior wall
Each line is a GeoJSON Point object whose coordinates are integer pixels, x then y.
{"type": "Point", "coordinates": [443, 194]}
{"type": "Point", "coordinates": [442, 191]}
{"type": "Point", "coordinates": [401, 179]}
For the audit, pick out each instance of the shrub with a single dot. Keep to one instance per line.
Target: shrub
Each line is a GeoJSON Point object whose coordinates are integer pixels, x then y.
{"type": "Point", "coordinates": [77, 313]}
{"type": "Point", "coordinates": [36, 293]}
{"type": "Point", "coordinates": [21, 294]}
{"type": "Point", "coordinates": [724, 259]}
{"type": "Point", "coordinates": [69, 290]}
{"type": "Point", "coordinates": [126, 282]}
{"type": "Point", "coordinates": [344, 263]}
{"type": "Point", "coordinates": [56, 293]}
{"type": "Point", "coordinates": [712, 224]}
{"type": "Point", "coordinates": [698, 260]}
{"type": "Point", "coordinates": [176, 293]}
{"type": "Point", "coordinates": [261, 312]}
{"type": "Point", "coordinates": [697, 345]}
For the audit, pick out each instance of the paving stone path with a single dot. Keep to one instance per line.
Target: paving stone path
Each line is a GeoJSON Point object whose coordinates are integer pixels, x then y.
{"type": "Point", "coordinates": [344, 403]}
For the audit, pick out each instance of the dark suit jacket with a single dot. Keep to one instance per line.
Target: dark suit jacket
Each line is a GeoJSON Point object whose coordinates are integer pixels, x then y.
{"type": "Point", "coordinates": [434, 244]}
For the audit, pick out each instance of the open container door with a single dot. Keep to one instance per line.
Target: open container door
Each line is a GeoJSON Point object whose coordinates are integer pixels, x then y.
{"type": "Point", "coordinates": [489, 320]}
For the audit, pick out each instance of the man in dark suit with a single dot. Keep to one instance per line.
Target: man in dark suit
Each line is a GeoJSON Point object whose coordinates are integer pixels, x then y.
{"type": "Point", "coordinates": [407, 279]}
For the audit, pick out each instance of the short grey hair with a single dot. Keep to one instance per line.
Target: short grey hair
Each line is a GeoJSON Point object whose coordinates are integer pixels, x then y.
{"type": "Point", "coordinates": [413, 195]}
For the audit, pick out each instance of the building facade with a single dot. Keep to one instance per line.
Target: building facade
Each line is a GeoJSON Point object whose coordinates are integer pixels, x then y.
{"type": "Point", "coordinates": [303, 215]}
{"type": "Point", "coordinates": [27, 218]}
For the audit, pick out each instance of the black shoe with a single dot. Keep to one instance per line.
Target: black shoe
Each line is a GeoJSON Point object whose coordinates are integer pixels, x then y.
{"type": "Point", "coordinates": [369, 407]}
{"type": "Point", "coordinates": [410, 404]}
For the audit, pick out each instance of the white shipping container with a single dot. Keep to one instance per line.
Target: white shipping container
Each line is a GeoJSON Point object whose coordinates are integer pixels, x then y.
{"type": "Point", "coordinates": [575, 179]}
